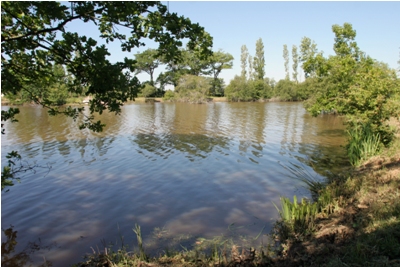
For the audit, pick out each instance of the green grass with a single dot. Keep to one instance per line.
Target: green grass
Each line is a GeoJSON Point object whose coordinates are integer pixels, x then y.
{"type": "Point", "coordinates": [362, 144]}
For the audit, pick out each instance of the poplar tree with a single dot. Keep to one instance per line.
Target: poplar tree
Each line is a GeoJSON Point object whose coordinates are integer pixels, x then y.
{"type": "Point", "coordinates": [251, 75]}
{"type": "Point", "coordinates": [308, 51]}
{"type": "Point", "coordinates": [259, 60]}
{"type": "Point", "coordinates": [295, 57]}
{"type": "Point", "coordinates": [243, 58]}
{"type": "Point", "coordinates": [286, 61]}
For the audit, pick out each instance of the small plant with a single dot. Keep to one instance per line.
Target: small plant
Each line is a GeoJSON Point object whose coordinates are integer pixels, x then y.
{"type": "Point", "coordinates": [363, 143]}
{"type": "Point", "coordinates": [297, 216]}
{"type": "Point", "coordinates": [138, 232]}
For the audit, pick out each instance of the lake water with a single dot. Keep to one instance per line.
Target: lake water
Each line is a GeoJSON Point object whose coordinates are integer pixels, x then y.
{"type": "Point", "coordinates": [189, 170]}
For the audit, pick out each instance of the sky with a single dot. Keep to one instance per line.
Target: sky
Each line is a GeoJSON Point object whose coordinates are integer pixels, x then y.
{"type": "Point", "coordinates": [236, 23]}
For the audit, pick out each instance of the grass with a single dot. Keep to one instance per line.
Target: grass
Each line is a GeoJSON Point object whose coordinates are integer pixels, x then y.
{"type": "Point", "coordinates": [358, 219]}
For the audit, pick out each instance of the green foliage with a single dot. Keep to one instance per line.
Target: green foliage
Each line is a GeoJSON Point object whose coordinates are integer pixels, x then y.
{"type": "Point", "coordinates": [14, 169]}
{"type": "Point", "coordinates": [239, 90]}
{"type": "Point", "coordinates": [295, 57]}
{"type": "Point", "coordinates": [243, 59]}
{"type": "Point", "coordinates": [218, 62]}
{"type": "Point", "coordinates": [286, 60]}
{"type": "Point", "coordinates": [259, 89]}
{"type": "Point", "coordinates": [352, 84]}
{"type": "Point", "coordinates": [29, 46]}
{"type": "Point", "coordinates": [344, 41]}
{"type": "Point", "coordinates": [147, 61]}
{"type": "Point", "coordinates": [193, 89]}
{"type": "Point", "coordinates": [8, 173]}
{"type": "Point", "coordinates": [307, 89]}
{"type": "Point", "coordinates": [217, 87]}
{"type": "Point", "coordinates": [297, 217]}
{"type": "Point", "coordinates": [259, 61]}
{"type": "Point", "coordinates": [138, 232]}
{"type": "Point", "coordinates": [362, 144]}
{"type": "Point", "coordinates": [169, 95]}
{"type": "Point", "coordinates": [148, 90]}
{"type": "Point", "coordinates": [286, 90]}
{"type": "Point", "coordinates": [193, 64]}
{"type": "Point", "coordinates": [8, 115]}
{"type": "Point", "coordinates": [308, 51]}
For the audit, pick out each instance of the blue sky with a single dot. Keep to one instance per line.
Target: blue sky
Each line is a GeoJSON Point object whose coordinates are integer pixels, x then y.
{"type": "Point", "coordinates": [233, 24]}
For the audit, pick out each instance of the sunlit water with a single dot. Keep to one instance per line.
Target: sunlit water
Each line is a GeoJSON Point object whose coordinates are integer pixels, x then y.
{"type": "Point", "coordinates": [197, 170]}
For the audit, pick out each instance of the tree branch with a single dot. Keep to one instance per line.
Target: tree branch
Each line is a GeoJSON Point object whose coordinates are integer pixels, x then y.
{"type": "Point", "coordinates": [38, 32]}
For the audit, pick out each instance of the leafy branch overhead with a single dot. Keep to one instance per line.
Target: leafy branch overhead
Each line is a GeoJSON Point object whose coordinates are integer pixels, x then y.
{"type": "Point", "coordinates": [34, 38]}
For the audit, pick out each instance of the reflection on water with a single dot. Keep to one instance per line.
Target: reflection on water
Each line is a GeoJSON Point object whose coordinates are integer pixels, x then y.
{"type": "Point", "coordinates": [189, 169]}
{"type": "Point", "coordinates": [11, 258]}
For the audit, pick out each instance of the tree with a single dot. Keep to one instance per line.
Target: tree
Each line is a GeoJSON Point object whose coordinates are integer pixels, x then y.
{"type": "Point", "coordinates": [243, 59]}
{"type": "Point", "coordinates": [218, 62]}
{"type": "Point", "coordinates": [308, 50]}
{"type": "Point", "coordinates": [175, 69]}
{"type": "Point", "coordinates": [147, 61]}
{"type": "Point", "coordinates": [354, 85]}
{"type": "Point", "coordinates": [286, 61]}
{"type": "Point", "coordinates": [259, 60]}
{"type": "Point", "coordinates": [251, 69]}
{"type": "Point", "coordinates": [190, 62]}
{"type": "Point", "coordinates": [195, 64]}
{"type": "Point", "coordinates": [34, 36]}
{"type": "Point", "coordinates": [295, 57]}
{"type": "Point", "coordinates": [344, 41]}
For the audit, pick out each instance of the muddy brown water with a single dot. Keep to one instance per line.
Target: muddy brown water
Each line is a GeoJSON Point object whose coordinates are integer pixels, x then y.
{"type": "Point", "coordinates": [190, 170]}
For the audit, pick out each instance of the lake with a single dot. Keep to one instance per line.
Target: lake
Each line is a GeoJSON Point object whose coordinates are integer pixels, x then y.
{"type": "Point", "coordinates": [180, 171]}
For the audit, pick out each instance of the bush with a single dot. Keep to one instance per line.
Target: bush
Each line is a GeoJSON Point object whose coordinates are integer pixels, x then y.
{"type": "Point", "coordinates": [148, 90]}
{"type": "Point", "coordinates": [169, 95]}
{"type": "Point", "coordinates": [193, 89]}
{"type": "Point", "coordinates": [286, 90]}
{"type": "Point", "coordinates": [239, 90]}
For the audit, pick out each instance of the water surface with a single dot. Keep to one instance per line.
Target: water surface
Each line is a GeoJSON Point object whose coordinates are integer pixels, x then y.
{"type": "Point", "coordinates": [188, 169]}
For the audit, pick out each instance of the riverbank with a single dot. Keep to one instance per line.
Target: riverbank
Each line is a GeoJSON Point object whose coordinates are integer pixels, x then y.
{"type": "Point", "coordinates": [80, 100]}
{"type": "Point", "coordinates": [360, 226]}
{"type": "Point", "coordinates": [357, 225]}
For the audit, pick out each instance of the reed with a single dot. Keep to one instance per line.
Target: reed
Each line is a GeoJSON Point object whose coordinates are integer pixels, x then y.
{"type": "Point", "coordinates": [297, 216]}
{"type": "Point", "coordinates": [363, 143]}
{"type": "Point", "coordinates": [138, 232]}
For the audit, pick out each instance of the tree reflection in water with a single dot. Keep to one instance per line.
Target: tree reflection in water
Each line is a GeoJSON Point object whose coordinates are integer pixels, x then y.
{"type": "Point", "coordinates": [16, 259]}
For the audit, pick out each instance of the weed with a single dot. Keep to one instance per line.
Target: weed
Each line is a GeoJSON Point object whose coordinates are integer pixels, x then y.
{"type": "Point", "coordinates": [363, 143]}
{"type": "Point", "coordinates": [142, 255]}
{"type": "Point", "coordinates": [298, 217]}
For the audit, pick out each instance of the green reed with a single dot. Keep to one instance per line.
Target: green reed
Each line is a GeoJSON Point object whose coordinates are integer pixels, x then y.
{"type": "Point", "coordinates": [298, 216]}
{"type": "Point", "coordinates": [363, 143]}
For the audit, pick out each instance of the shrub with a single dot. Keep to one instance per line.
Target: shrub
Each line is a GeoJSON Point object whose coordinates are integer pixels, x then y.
{"type": "Point", "coordinates": [193, 89]}
{"type": "Point", "coordinates": [169, 95]}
